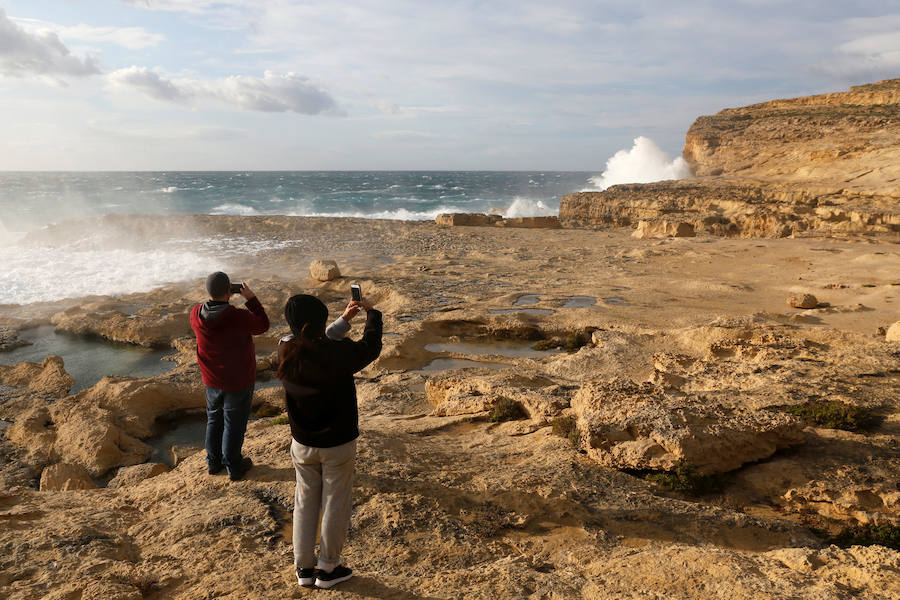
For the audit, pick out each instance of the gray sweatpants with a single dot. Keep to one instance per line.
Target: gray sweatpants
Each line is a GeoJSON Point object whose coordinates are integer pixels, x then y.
{"type": "Point", "coordinates": [324, 483]}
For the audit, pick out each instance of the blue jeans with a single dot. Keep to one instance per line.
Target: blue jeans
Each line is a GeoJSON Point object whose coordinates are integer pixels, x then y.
{"type": "Point", "coordinates": [227, 413]}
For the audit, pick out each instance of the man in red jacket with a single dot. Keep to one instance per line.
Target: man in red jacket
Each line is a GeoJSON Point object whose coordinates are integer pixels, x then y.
{"type": "Point", "coordinates": [227, 361]}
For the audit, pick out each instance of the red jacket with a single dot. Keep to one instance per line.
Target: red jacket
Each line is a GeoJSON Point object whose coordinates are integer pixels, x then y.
{"type": "Point", "coordinates": [225, 348]}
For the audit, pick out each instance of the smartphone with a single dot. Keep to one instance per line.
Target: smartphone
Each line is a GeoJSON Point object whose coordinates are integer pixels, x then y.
{"type": "Point", "coordinates": [355, 292]}
{"type": "Point", "coordinates": [236, 288]}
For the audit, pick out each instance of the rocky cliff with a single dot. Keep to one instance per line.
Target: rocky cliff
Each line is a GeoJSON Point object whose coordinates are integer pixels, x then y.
{"type": "Point", "coordinates": [826, 164]}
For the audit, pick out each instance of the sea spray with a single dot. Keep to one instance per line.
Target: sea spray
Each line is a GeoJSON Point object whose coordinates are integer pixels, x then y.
{"type": "Point", "coordinates": [49, 273]}
{"type": "Point", "coordinates": [645, 162]}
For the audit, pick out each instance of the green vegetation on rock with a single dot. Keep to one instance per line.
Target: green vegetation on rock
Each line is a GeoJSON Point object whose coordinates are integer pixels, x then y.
{"type": "Point", "coordinates": [832, 414]}
{"type": "Point", "coordinates": [566, 427]}
{"type": "Point", "coordinates": [507, 409]}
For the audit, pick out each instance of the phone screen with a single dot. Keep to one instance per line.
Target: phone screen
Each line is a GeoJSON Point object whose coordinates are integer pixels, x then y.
{"type": "Point", "coordinates": [355, 292]}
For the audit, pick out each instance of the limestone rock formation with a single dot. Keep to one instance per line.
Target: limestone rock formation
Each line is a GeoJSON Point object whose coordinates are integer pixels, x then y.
{"type": "Point", "coordinates": [460, 395]}
{"type": "Point", "coordinates": [66, 476]}
{"type": "Point", "coordinates": [324, 270]}
{"type": "Point", "coordinates": [9, 339]}
{"type": "Point", "coordinates": [637, 426]}
{"type": "Point", "coordinates": [482, 220]}
{"type": "Point", "coordinates": [49, 378]}
{"type": "Point", "coordinates": [652, 229]}
{"type": "Point", "coordinates": [129, 476]}
{"type": "Point", "coordinates": [549, 222]}
{"type": "Point", "coordinates": [815, 165]}
{"type": "Point", "coordinates": [802, 301]}
{"type": "Point", "coordinates": [151, 327]}
{"type": "Point", "coordinates": [893, 333]}
{"type": "Point", "coordinates": [466, 219]}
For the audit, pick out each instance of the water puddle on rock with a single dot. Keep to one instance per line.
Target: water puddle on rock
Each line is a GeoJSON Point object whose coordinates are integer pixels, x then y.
{"type": "Point", "coordinates": [510, 348]}
{"type": "Point", "coordinates": [186, 430]}
{"type": "Point", "coordinates": [616, 300]}
{"type": "Point", "coordinates": [527, 299]}
{"type": "Point", "coordinates": [88, 359]}
{"type": "Point", "coordinates": [580, 302]}
{"type": "Point", "coordinates": [448, 364]}
{"type": "Point", "coordinates": [543, 312]}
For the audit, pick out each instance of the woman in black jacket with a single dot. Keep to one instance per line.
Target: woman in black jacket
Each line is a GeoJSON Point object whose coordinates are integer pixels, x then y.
{"type": "Point", "coordinates": [320, 393]}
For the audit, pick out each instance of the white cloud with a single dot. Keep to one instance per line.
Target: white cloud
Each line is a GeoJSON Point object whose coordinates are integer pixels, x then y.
{"type": "Point", "coordinates": [270, 93]}
{"type": "Point", "coordinates": [147, 81]}
{"type": "Point", "coordinates": [873, 52]}
{"type": "Point", "coordinates": [133, 38]}
{"type": "Point", "coordinates": [38, 53]}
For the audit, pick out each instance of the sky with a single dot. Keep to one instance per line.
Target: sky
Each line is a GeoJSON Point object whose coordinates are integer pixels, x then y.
{"type": "Point", "coordinates": [403, 84]}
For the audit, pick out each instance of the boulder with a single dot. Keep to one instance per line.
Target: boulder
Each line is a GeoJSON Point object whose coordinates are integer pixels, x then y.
{"type": "Point", "coordinates": [893, 333]}
{"type": "Point", "coordinates": [324, 270]}
{"type": "Point", "coordinates": [656, 229]}
{"type": "Point", "coordinates": [802, 301]}
{"type": "Point", "coordinates": [466, 219]}
{"type": "Point", "coordinates": [625, 425]}
{"type": "Point", "coordinates": [129, 476]}
{"type": "Point", "coordinates": [48, 378]}
{"type": "Point", "coordinates": [66, 476]}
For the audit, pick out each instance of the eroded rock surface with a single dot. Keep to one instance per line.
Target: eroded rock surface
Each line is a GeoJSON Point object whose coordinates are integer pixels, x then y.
{"type": "Point", "coordinates": [628, 426]}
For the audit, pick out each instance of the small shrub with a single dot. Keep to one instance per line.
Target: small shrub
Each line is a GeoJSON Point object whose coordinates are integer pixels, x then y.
{"type": "Point", "coordinates": [566, 427]}
{"type": "Point", "coordinates": [869, 535]}
{"type": "Point", "coordinates": [507, 409]}
{"type": "Point", "coordinates": [280, 421]}
{"type": "Point", "coordinates": [686, 480]}
{"type": "Point", "coordinates": [832, 414]}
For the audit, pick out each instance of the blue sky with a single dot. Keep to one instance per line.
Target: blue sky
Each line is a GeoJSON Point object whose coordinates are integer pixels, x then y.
{"type": "Point", "coordinates": [256, 84]}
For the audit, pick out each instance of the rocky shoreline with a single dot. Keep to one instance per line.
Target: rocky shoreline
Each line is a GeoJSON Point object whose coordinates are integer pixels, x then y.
{"type": "Point", "coordinates": [706, 407]}
{"type": "Point", "coordinates": [668, 367]}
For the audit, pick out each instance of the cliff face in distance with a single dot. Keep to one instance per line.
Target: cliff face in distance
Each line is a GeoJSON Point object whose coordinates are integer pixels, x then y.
{"type": "Point", "coordinates": [826, 164]}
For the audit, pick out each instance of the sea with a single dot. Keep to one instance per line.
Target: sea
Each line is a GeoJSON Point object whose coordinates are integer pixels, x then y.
{"type": "Point", "coordinates": [32, 200]}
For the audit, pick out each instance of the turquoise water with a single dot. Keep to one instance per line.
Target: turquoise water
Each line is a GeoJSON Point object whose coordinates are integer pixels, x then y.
{"type": "Point", "coordinates": [88, 359]}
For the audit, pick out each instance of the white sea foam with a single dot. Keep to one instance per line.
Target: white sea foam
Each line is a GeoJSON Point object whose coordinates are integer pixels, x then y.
{"type": "Point", "coordinates": [9, 237]}
{"type": "Point", "coordinates": [45, 274]}
{"type": "Point", "coordinates": [525, 207]}
{"type": "Point", "coordinates": [234, 209]}
{"type": "Point", "coordinates": [399, 214]}
{"type": "Point", "coordinates": [168, 190]}
{"type": "Point", "coordinates": [645, 162]}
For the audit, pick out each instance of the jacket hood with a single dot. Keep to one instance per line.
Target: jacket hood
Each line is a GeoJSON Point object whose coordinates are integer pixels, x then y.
{"type": "Point", "coordinates": [211, 310]}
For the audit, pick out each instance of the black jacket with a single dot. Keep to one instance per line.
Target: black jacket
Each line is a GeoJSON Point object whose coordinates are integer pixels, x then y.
{"type": "Point", "coordinates": [321, 398]}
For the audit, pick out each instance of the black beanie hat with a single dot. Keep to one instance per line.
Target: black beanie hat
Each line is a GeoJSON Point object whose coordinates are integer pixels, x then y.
{"type": "Point", "coordinates": [218, 284]}
{"type": "Point", "coordinates": [304, 309]}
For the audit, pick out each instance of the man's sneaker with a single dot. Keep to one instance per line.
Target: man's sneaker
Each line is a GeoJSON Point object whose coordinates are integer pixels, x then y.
{"type": "Point", "coordinates": [306, 577]}
{"type": "Point", "coordinates": [338, 574]}
{"type": "Point", "coordinates": [236, 473]}
{"type": "Point", "coordinates": [212, 469]}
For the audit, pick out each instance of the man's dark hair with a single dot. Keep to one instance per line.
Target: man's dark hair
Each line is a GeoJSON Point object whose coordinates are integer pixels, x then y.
{"type": "Point", "coordinates": [218, 284]}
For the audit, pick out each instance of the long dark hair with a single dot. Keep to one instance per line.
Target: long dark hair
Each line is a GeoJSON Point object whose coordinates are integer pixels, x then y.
{"type": "Point", "coordinates": [306, 316]}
